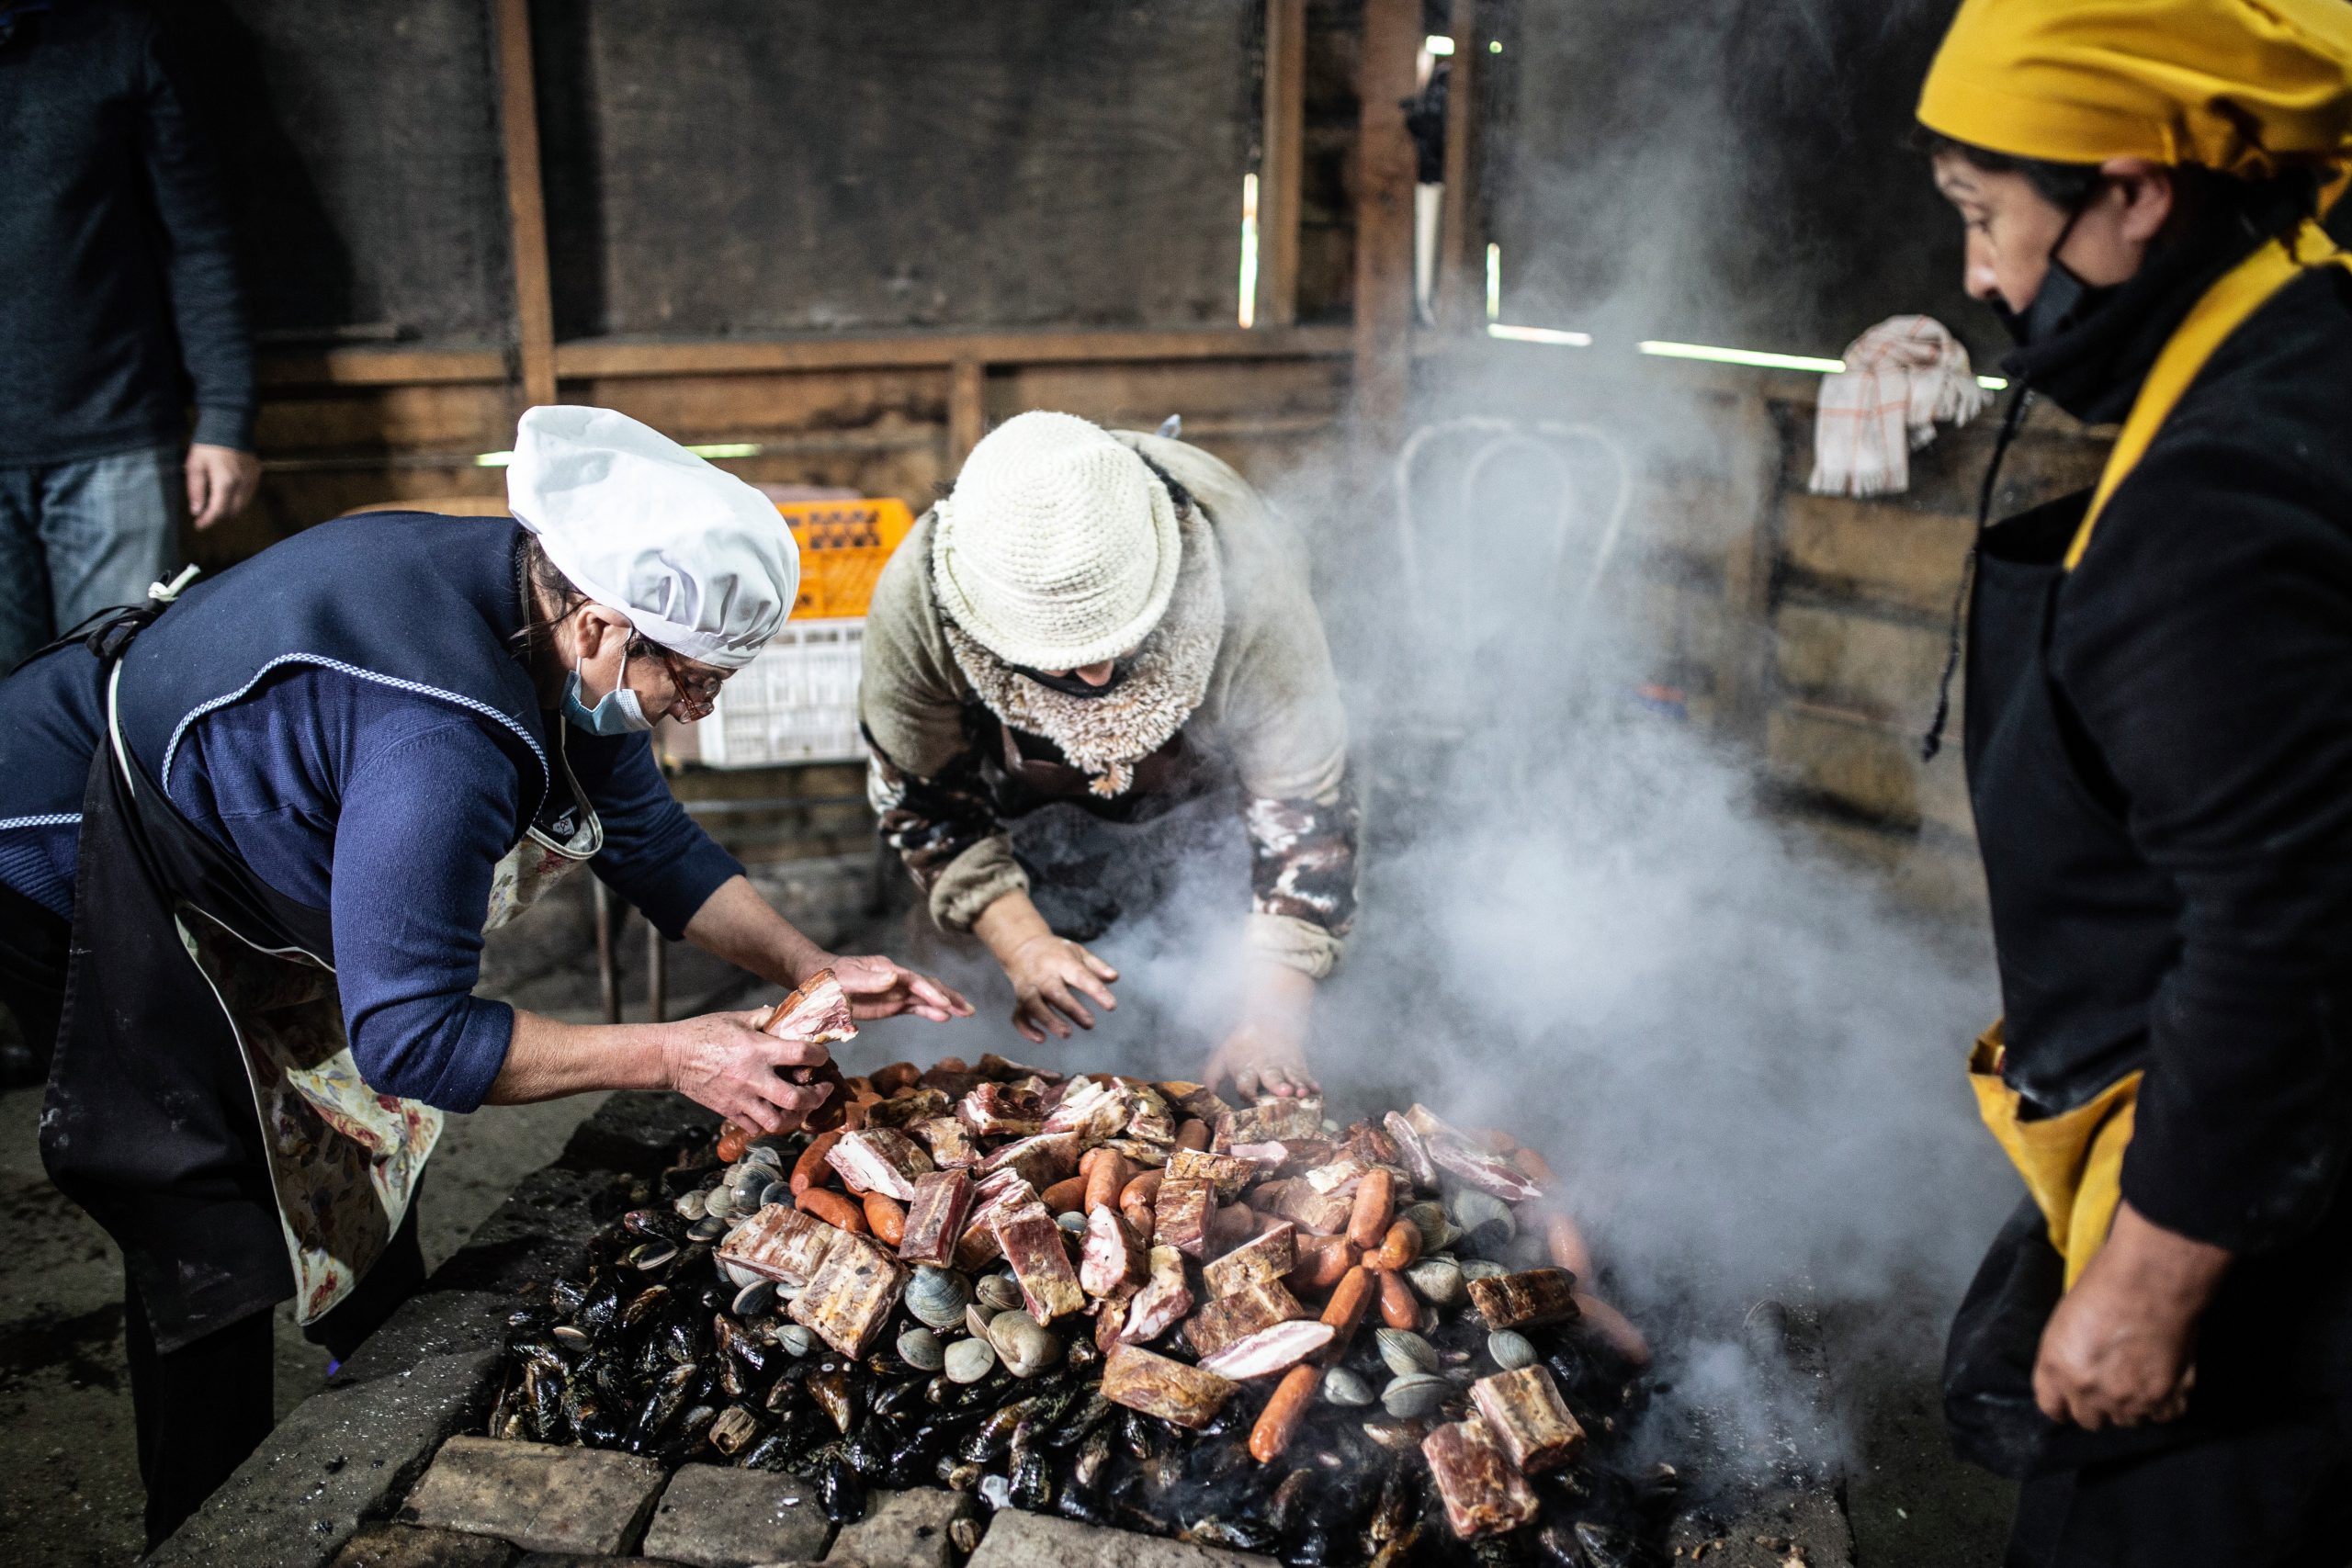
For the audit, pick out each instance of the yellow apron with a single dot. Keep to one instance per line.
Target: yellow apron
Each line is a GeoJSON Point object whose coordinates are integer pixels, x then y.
{"type": "Point", "coordinates": [2073, 1163]}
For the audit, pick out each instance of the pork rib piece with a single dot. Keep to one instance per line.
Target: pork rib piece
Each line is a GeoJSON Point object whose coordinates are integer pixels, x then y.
{"type": "Point", "coordinates": [1453, 1150]}
{"type": "Point", "coordinates": [1181, 1215]}
{"type": "Point", "coordinates": [780, 1243]}
{"type": "Point", "coordinates": [1484, 1492]}
{"type": "Point", "coordinates": [1162, 1303]}
{"type": "Point", "coordinates": [851, 1296]}
{"type": "Point", "coordinates": [1227, 1173]}
{"type": "Point", "coordinates": [1228, 1319]}
{"type": "Point", "coordinates": [1032, 1243]}
{"type": "Point", "coordinates": [1532, 1295]}
{"type": "Point", "coordinates": [935, 1218]}
{"type": "Point", "coordinates": [1270, 1351]}
{"type": "Point", "coordinates": [1158, 1385]}
{"type": "Point", "coordinates": [976, 1248]}
{"type": "Point", "coordinates": [1254, 1262]}
{"type": "Point", "coordinates": [1524, 1411]}
{"type": "Point", "coordinates": [878, 1159]}
{"type": "Point", "coordinates": [1112, 1260]}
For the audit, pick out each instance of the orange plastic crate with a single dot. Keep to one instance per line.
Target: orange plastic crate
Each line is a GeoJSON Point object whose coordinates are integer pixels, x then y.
{"type": "Point", "coordinates": [844, 545]}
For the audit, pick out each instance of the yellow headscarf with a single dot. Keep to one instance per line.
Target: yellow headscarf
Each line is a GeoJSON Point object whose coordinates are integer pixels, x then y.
{"type": "Point", "coordinates": [2241, 86]}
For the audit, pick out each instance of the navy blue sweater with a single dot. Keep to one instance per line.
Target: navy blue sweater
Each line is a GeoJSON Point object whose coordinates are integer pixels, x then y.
{"type": "Point", "coordinates": [119, 303]}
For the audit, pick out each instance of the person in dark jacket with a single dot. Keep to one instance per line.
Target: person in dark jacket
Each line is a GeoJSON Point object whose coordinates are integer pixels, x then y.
{"type": "Point", "coordinates": [272, 819]}
{"type": "Point", "coordinates": [122, 308]}
{"type": "Point", "coordinates": [2159, 754]}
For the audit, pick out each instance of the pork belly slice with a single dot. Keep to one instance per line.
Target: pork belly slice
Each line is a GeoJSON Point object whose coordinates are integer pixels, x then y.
{"type": "Point", "coordinates": [817, 1012]}
{"type": "Point", "coordinates": [1040, 1160]}
{"type": "Point", "coordinates": [998, 1111]}
{"type": "Point", "coordinates": [976, 1248]}
{"type": "Point", "coordinates": [1412, 1150]}
{"type": "Point", "coordinates": [1230, 1176]}
{"type": "Point", "coordinates": [905, 1110]}
{"type": "Point", "coordinates": [1530, 1296]}
{"type": "Point", "coordinates": [1162, 1303]}
{"type": "Point", "coordinates": [1270, 1351]}
{"type": "Point", "coordinates": [1524, 1411]}
{"type": "Point", "coordinates": [852, 1296]}
{"type": "Point", "coordinates": [1179, 1215]}
{"type": "Point", "coordinates": [1159, 1385]}
{"type": "Point", "coordinates": [781, 1244]}
{"type": "Point", "coordinates": [1277, 1119]}
{"type": "Point", "coordinates": [1338, 1178]}
{"type": "Point", "coordinates": [1032, 1243]}
{"type": "Point", "coordinates": [1484, 1492]}
{"type": "Point", "coordinates": [1149, 1119]}
{"type": "Point", "coordinates": [1318, 1213]}
{"type": "Point", "coordinates": [1455, 1152]}
{"type": "Point", "coordinates": [1228, 1319]}
{"type": "Point", "coordinates": [1092, 1109]}
{"type": "Point", "coordinates": [950, 1142]}
{"type": "Point", "coordinates": [935, 1218]}
{"type": "Point", "coordinates": [879, 1159]}
{"type": "Point", "coordinates": [1196, 1100]}
{"type": "Point", "coordinates": [1254, 1262]}
{"type": "Point", "coordinates": [1113, 1259]}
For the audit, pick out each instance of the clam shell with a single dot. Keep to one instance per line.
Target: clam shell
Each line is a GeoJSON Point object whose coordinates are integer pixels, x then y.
{"type": "Point", "coordinates": [999, 1294]}
{"type": "Point", "coordinates": [707, 1229]}
{"type": "Point", "coordinates": [938, 1296]}
{"type": "Point", "coordinates": [1482, 1269]}
{"type": "Point", "coordinates": [1026, 1346]}
{"type": "Point", "coordinates": [794, 1340]}
{"type": "Point", "coordinates": [1437, 1230]}
{"type": "Point", "coordinates": [969, 1360]}
{"type": "Point", "coordinates": [1414, 1395]}
{"type": "Point", "coordinates": [739, 1276]}
{"type": "Point", "coordinates": [765, 1154]}
{"type": "Point", "coordinates": [1510, 1351]}
{"type": "Point", "coordinates": [1473, 1210]}
{"type": "Point", "coordinates": [1406, 1352]}
{"type": "Point", "coordinates": [976, 1320]}
{"type": "Point", "coordinates": [689, 1206]}
{"type": "Point", "coordinates": [920, 1348]}
{"type": "Point", "coordinates": [719, 1202]}
{"type": "Point", "coordinates": [1074, 1222]}
{"type": "Point", "coordinates": [1438, 1280]}
{"type": "Point", "coordinates": [1343, 1388]}
{"type": "Point", "coordinates": [754, 1299]}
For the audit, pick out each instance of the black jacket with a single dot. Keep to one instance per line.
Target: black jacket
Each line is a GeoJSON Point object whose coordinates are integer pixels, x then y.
{"type": "Point", "coordinates": [121, 304]}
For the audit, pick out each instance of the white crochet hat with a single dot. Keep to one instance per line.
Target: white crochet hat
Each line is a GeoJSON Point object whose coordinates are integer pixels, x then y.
{"type": "Point", "coordinates": [1059, 548]}
{"type": "Point", "coordinates": [698, 561]}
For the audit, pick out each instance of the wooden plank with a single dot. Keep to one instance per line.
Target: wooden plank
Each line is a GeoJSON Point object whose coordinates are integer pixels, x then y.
{"type": "Point", "coordinates": [1457, 297]}
{"type": "Point", "coordinates": [1282, 162]}
{"type": "Point", "coordinates": [377, 366]}
{"type": "Point", "coordinates": [1743, 661]}
{"type": "Point", "coordinates": [967, 409]}
{"type": "Point", "coordinates": [1878, 551]}
{"type": "Point", "coordinates": [1870, 769]}
{"type": "Point", "coordinates": [1837, 655]}
{"type": "Point", "coordinates": [518, 121]}
{"type": "Point", "coordinates": [626, 357]}
{"type": "Point", "coordinates": [1384, 212]}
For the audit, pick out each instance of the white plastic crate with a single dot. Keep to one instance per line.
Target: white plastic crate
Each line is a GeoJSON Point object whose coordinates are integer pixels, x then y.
{"type": "Point", "coordinates": [795, 702]}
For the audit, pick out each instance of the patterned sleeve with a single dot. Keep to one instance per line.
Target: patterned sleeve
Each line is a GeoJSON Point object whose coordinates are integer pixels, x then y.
{"type": "Point", "coordinates": [946, 832]}
{"type": "Point", "coordinates": [1303, 877]}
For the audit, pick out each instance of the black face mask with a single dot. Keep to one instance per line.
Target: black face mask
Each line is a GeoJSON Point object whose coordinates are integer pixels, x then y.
{"type": "Point", "coordinates": [1071, 685]}
{"type": "Point", "coordinates": [2063, 300]}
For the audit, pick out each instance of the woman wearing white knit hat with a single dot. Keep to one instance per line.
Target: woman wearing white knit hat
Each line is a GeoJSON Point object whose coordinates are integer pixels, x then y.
{"type": "Point", "coordinates": [1119, 624]}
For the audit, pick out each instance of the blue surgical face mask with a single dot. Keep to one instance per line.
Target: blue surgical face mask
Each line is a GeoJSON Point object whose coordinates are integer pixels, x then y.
{"type": "Point", "coordinates": [619, 714]}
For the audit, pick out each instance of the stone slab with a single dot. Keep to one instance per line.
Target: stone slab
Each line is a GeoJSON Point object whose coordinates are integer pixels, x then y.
{"type": "Point", "coordinates": [408, 1546]}
{"type": "Point", "coordinates": [713, 1516]}
{"type": "Point", "coordinates": [1016, 1539]}
{"type": "Point", "coordinates": [541, 1497]}
{"type": "Point", "coordinates": [902, 1529]}
{"type": "Point", "coordinates": [339, 1457]}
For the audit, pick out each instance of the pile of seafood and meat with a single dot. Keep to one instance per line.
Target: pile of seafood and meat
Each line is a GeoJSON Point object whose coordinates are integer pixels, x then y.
{"type": "Point", "coordinates": [1126, 1303]}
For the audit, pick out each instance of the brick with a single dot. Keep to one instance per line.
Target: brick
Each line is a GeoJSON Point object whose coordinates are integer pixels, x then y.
{"type": "Point", "coordinates": [406, 1546]}
{"type": "Point", "coordinates": [1839, 655]}
{"type": "Point", "coordinates": [902, 1529]}
{"type": "Point", "coordinates": [713, 1517]}
{"type": "Point", "coordinates": [1879, 549]}
{"type": "Point", "coordinates": [541, 1497]}
{"type": "Point", "coordinates": [1016, 1539]}
{"type": "Point", "coordinates": [1872, 768]}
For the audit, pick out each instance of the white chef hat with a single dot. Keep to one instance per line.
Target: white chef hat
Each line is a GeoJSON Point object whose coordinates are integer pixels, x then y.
{"type": "Point", "coordinates": [698, 561]}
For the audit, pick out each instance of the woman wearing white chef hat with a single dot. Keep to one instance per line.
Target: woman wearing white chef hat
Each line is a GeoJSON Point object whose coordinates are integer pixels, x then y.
{"type": "Point", "coordinates": [271, 818]}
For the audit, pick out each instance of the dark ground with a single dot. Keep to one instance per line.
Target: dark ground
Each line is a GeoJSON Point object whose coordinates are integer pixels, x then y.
{"type": "Point", "coordinates": [69, 1488]}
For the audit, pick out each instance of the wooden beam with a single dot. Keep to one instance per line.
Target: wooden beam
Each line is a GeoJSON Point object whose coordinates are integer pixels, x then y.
{"type": "Point", "coordinates": [1281, 162]}
{"type": "Point", "coordinates": [379, 366]}
{"type": "Point", "coordinates": [590, 357]}
{"type": "Point", "coordinates": [1383, 213]}
{"type": "Point", "coordinates": [526, 216]}
{"type": "Point", "coordinates": [968, 384]}
{"type": "Point", "coordinates": [1460, 269]}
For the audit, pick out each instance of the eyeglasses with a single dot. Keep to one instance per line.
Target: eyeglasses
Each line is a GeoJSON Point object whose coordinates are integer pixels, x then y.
{"type": "Point", "coordinates": [697, 689]}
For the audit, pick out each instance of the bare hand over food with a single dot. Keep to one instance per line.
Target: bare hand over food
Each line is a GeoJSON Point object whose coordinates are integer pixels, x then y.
{"type": "Point", "coordinates": [1266, 1052]}
{"type": "Point", "coordinates": [879, 987]}
{"type": "Point", "coordinates": [1049, 975]}
{"type": "Point", "coordinates": [720, 1060]}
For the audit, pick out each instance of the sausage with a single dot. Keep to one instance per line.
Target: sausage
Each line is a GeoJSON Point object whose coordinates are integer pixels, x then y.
{"type": "Point", "coordinates": [1323, 1262]}
{"type": "Point", "coordinates": [1399, 1308]}
{"type": "Point", "coordinates": [890, 1080]}
{"type": "Point", "coordinates": [1538, 1168]}
{"type": "Point", "coordinates": [833, 1208]}
{"type": "Point", "coordinates": [1192, 1134]}
{"type": "Point", "coordinates": [1276, 1423]}
{"type": "Point", "coordinates": [1499, 1141]}
{"type": "Point", "coordinates": [1106, 1181]}
{"type": "Point", "coordinates": [811, 1169]}
{"type": "Point", "coordinates": [1614, 1327]}
{"type": "Point", "coordinates": [854, 1114]}
{"type": "Point", "coordinates": [886, 1217]}
{"type": "Point", "coordinates": [1346, 1309]}
{"type": "Point", "coordinates": [1565, 1242]}
{"type": "Point", "coordinates": [1065, 1197]}
{"type": "Point", "coordinates": [1139, 1216]}
{"type": "Point", "coordinates": [1399, 1246]}
{"type": "Point", "coordinates": [733, 1139]}
{"type": "Point", "coordinates": [1143, 1188]}
{"type": "Point", "coordinates": [1374, 1208]}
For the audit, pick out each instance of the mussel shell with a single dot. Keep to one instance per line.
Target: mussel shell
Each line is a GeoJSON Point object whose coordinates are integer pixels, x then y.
{"type": "Point", "coordinates": [1438, 1280]}
{"type": "Point", "coordinates": [1510, 1350]}
{"type": "Point", "coordinates": [572, 1336]}
{"type": "Point", "coordinates": [1416, 1395]}
{"type": "Point", "coordinates": [937, 1296]}
{"type": "Point", "coordinates": [648, 1255]}
{"type": "Point", "coordinates": [1000, 1293]}
{"type": "Point", "coordinates": [920, 1348]}
{"type": "Point", "coordinates": [969, 1360]}
{"type": "Point", "coordinates": [1405, 1353]}
{"type": "Point", "coordinates": [1345, 1389]}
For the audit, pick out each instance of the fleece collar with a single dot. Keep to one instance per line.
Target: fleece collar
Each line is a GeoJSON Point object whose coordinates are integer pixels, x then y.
{"type": "Point", "coordinates": [1166, 676]}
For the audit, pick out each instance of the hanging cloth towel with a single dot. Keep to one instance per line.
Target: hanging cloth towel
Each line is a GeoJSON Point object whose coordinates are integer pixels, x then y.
{"type": "Point", "coordinates": [1901, 377]}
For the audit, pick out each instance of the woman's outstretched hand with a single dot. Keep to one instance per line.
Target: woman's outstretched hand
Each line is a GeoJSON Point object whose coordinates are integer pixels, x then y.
{"type": "Point", "coordinates": [881, 988]}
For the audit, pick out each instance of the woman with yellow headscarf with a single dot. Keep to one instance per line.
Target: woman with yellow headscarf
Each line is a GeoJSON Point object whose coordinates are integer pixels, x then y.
{"type": "Point", "coordinates": [2159, 751]}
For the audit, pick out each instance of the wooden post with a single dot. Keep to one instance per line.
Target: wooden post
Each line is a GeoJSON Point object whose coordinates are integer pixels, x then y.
{"type": "Point", "coordinates": [1460, 266]}
{"type": "Point", "coordinates": [968, 383]}
{"type": "Point", "coordinates": [526, 216]}
{"type": "Point", "coordinates": [1384, 212]}
{"type": "Point", "coordinates": [1281, 143]}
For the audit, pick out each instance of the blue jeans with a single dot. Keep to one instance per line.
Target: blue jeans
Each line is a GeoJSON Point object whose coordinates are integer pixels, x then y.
{"type": "Point", "coordinates": [83, 535]}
